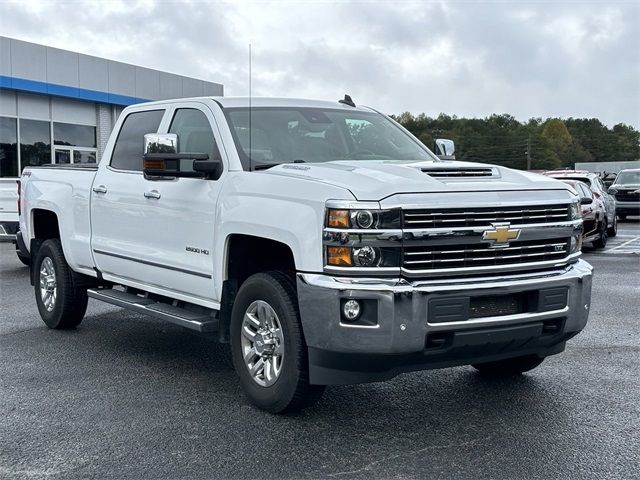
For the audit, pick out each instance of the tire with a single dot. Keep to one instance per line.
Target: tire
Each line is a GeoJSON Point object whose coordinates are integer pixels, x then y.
{"type": "Point", "coordinates": [287, 389]}
{"type": "Point", "coordinates": [601, 242]}
{"type": "Point", "coordinates": [509, 367]}
{"type": "Point", "coordinates": [64, 306]}
{"type": "Point", "coordinates": [613, 230]}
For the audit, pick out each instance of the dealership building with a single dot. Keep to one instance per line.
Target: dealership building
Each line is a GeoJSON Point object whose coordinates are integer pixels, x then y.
{"type": "Point", "coordinates": [58, 106]}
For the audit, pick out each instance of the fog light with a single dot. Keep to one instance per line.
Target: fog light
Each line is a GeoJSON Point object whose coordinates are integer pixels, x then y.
{"type": "Point", "coordinates": [351, 310]}
{"type": "Point", "coordinates": [365, 256]}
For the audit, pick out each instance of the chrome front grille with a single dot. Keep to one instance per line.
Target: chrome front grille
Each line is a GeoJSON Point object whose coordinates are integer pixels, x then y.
{"type": "Point", "coordinates": [436, 257]}
{"type": "Point", "coordinates": [484, 216]}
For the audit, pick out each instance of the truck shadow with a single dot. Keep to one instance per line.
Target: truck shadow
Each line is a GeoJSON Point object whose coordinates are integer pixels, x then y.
{"type": "Point", "coordinates": [435, 396]}
{"type": "Point", "coordinates": [180, 392]}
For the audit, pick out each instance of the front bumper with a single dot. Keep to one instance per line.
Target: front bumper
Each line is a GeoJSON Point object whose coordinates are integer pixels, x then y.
{"type": "Point", "coordinates": [401, 334]}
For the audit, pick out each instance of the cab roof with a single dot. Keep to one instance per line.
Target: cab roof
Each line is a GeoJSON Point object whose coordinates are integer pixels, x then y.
{"type": "Point", "coordinates": [257, 102]}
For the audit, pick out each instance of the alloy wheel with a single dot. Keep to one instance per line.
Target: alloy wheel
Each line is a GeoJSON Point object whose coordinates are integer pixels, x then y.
{"type": "Point", "coordinates": [48, 284]}
{"type": "Point", "coordinates": [262, 343]}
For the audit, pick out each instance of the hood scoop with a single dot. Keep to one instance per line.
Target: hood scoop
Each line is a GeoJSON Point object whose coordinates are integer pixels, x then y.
{"type": "Point", "coordinates": [461, 172]}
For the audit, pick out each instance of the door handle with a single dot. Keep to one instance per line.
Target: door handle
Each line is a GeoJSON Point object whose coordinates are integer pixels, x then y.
{"type": "Point", "coordinates": [152, 194]}
{"type": "Point", "coordinates": [100, 189]}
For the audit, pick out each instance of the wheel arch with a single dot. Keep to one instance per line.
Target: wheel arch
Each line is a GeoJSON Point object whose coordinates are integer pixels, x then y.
{"type": "Point", "coordinates": [245, 255]}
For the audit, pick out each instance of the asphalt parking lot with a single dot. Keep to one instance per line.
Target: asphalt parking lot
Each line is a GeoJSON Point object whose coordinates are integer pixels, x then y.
{"type": "Point", "coordinates": [125, 396]}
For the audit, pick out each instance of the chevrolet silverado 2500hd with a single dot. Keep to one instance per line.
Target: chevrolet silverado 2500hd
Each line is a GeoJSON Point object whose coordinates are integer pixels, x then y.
{"type": "Point", "coordinates": [321, 239]}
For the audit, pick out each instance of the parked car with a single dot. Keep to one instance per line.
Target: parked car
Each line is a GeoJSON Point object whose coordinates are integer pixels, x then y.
{"type": "Point", "coordinates": [321, 239]}
{"type": "Point", "coordinates": [8, 209]}
{"type": "Point", "coordinates": [9, 214]}
{"type": "Point", "coordinates": [626, 189]}
{"type": "Point", "coordinates": [596, 185]}
{"type": "Point", "coordinates": [593, 215]}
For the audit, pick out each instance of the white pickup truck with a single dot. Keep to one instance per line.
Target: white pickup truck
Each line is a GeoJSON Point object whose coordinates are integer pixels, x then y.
{"type": "Point", "coordinates": [321, 239]}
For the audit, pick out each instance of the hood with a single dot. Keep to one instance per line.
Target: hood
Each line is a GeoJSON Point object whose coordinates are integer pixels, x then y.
{"type": "Point", "coordinates": [376, 180]}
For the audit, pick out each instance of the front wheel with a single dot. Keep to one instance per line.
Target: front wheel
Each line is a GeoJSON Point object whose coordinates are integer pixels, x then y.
{"type": "Point", "coordinates": [267, 345]}
{"type": "Point", "coordinates": [601, 242]}
{"type": "Point", "coordinates": [61, 305]}
{"type": "Point", "coordinates": [509, 367]}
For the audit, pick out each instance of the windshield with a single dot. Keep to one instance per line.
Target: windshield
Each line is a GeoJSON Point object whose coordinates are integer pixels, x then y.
{"type": "Point", "coordinates": [630, 178]}
{"type": "Point", "coordinates": [291, 134]}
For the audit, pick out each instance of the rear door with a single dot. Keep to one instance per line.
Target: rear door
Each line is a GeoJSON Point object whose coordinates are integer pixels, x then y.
{"type": "Point", "coordinates": [119, 240]}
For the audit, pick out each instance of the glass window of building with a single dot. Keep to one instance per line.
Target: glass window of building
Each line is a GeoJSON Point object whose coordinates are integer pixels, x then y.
{"type": "Point", "coordinates": [74, 135]}
{"type": "Point", "coordinates": [84, 156]}
{"type": "Point", "coordinates": [35, 142]}
{"type": "Point", "coordinates": [8, 147]}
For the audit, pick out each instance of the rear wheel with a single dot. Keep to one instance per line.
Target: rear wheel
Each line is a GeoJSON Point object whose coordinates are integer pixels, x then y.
{"type": "Point", "coordinates": [613, 230]}
{"type": "Point", "coordinates": [267, 345]}
{"type": "Point", "coordinates": [511, 366]}
{"type": "Point", "coordinates": [61, 305]}
{"type": "Point", "coordinates": [601, 242]}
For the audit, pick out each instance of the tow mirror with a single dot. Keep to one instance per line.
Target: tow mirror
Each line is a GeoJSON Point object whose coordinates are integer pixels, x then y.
{"type": "Point", "coordinates": [161, 159]}
{"type": "Point", "coordinates": [586, 200]}
{"type": "Point", "coordinates": [445, 149]}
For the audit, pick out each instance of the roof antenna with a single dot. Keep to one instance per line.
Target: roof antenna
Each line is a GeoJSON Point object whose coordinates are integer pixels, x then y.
{"type": "Point", "coordinates": [347, 101]}
{"type": "Point", "coordinates": [250, 111]}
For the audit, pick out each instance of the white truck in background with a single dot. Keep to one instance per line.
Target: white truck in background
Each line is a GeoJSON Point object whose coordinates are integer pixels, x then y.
{"type": "Point", "coordinates": [321, 239]}
{"type": "Point", "coordinates": [9, 214]}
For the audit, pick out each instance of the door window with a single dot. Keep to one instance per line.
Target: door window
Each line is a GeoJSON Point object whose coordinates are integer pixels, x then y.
{"type": "Point", "coordinates": [128, 150]}
{"type": "Point", "coordinates": [194, 135]}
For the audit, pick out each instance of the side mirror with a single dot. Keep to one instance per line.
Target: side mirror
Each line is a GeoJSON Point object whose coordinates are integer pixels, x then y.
{"type": "Point", "coordinates": [161, 159]}
{"type": "Point", "coordinates": [586, 200]}
{"type": "Point", "coordinates": [445, 149]}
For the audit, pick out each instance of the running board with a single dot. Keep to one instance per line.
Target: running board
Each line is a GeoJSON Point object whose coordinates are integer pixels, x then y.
{"type": "Point", "coordinates": [197, 321]}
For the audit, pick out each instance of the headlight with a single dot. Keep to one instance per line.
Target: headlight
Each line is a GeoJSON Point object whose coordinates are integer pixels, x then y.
{"type": "Point", "coordinates": [361, 238]}
{"type": "Point", "coordinates": [363, 219]}
{"type": "Point", "coordinates": [575, 211]}
{"type": "Point", "coordinates": [366, 256]}
{"type": "Point", "coordinates": [613, 191]}
{"type": "Point", "coordinates": [362, 256]}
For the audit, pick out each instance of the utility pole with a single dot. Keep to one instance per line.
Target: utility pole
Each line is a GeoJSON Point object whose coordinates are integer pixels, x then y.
{"type": "Point", "coordinates": [528, 153]}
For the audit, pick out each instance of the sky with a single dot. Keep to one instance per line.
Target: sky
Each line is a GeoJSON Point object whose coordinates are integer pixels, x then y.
{"type": "Point", "coordinates": [464, 58]}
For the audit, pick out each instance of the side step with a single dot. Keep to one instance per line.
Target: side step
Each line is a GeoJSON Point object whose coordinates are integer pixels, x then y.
{"type": "Point", "coordinates": [198, 321]}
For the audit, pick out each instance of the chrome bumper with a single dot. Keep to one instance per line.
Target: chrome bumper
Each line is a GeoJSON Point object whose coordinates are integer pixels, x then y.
{"type": "Point", "coordinates": [402, 308]}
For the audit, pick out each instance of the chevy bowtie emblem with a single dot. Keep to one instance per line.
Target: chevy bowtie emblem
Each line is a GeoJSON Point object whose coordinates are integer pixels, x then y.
{"type": "Point", "coordinates": [500, 235]}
